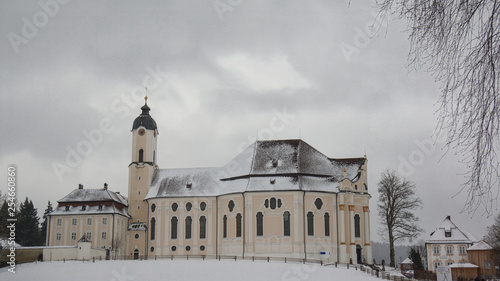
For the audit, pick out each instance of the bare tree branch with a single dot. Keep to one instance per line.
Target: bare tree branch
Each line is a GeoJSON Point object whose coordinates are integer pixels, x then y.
{"type": "Point", "coordinates": [459, 43]}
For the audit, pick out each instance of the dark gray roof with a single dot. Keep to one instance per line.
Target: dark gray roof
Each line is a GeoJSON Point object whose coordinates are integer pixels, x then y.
{"type": "Point", "coordinates": [144, 119]}
{"type": "Point", "coordinates": [263, 166]}
{"type": "Point", "coordinates": [93, 195]}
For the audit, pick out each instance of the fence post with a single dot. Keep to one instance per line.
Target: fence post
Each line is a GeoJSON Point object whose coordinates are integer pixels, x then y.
{"type": "Point", "coordinates": [335, 264]}
{"type": "Point", "coordinates": [303, 261]}
{"type": "Point", "coordinates": [253, 258]}
{"type": "Point", "coordinates": [234, 258]}
{"type": "Point", "coordinates": [187, 257]}
{"type": "Point", "coordinates": [321, 263]}
{"type": "Point", "coordinates": [203, 257]}
{"type": "Point", "coordinates": [285, 259]}
{"type": "Point", "coordinates": [267, 259]}
{"type": "Point", "coordinates": [347, 266]}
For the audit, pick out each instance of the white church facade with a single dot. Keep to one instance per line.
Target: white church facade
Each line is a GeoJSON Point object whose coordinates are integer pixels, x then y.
{"type": "Point", "coordinates": [279, 198]}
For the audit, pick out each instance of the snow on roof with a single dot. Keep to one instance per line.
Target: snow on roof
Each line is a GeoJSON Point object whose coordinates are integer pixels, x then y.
{"type": "Point", "coordinates": [463, 265]}
{"type": "Point", "coordinates": [263, 166]}
{"type": "Point", "coordinates": [93, 195]}
{"type": "Point", "coordinates": [480, 246]}
{"type": "Point", "coordinates": [448, 232]}
{"type": "Point", "coordinates": [88, 210]}
{"type": "Point", "coordinates": [137, 226]}
{"type": "Point", "coordinates": [407, 261]}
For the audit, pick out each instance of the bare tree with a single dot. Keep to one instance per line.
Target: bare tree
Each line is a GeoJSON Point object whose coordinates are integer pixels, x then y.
{"type": "Point", "coordinates": [493, 238]}
{"type": "Point", "coordinates": [116, 245]}
{"type": "Point", "coordinates": [459, 43]}
{"type": "Point", "coordinates": [396, 203]}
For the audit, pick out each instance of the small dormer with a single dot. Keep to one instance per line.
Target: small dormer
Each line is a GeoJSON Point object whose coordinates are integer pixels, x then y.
{"type": "Point", "coordinates": [274, 163]}
{"type": "Point", "coordinates": [189, 184]}
{"type": "Point", "coordinates": [447, 231]}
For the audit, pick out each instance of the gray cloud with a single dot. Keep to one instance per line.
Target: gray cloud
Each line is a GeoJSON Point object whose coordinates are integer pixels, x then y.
{"type": "Point", "coordinates": [220, 80]}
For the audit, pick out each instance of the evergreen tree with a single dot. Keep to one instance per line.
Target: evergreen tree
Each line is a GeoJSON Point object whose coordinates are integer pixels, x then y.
{"type": "Point", "coordinates": [45, 221]}
{"type": "Point", "coordinates": [416, 258]}
{"type": "Point", "coordinates": [4, 214]}
{"type": "Point", "coordinates": [27, 227]}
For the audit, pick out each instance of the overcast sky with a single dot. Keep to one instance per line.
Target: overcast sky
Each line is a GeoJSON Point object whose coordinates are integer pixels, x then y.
{"type": "Point", "coordinates": [220, 74]}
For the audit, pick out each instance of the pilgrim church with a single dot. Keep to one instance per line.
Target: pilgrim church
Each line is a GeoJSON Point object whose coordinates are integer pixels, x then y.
{"type": "Point", "coordinates": [277, 198]}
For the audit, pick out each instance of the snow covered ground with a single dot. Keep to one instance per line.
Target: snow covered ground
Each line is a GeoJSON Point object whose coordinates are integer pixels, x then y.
{"type": "Point", "coordinates": [180, 270]}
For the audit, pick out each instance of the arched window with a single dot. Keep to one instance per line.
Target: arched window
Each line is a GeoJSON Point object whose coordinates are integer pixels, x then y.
{"type": "Point", "coordinates": [173, 228]}
{"type": "Point", "coordinates": [357, 231]}
{"type": "Point", "coordinates": [260, 224]}
{"type": "Point", "coordinates": [203, 227]}
{"type": "Point", "coordinates": [230, 205]}
{"type": "Point", "coordinates": [174, 207]}
{"type": "Point", "coordinates": [189, 222]}
{"type": "Point", "coordinates": [286, 223]}
{"type": "Point", "coordinates": [310, 224]}
{"type": "Point", "coordinates": [327, 224]}
{"type": "Point", "coordinates": [153, 228]}
{"type": "Point", "coordinates": [141, 155]}
{"type": "Point", "coordinates": [272, 203]}
{"type": "Point", "coordinates": [189, 206]}
{"type": "Point", "coordinates": [224, 227]}
{"type": "Point", "coordinates": [238, 225]}
{"type": "Point", "coordinates": [153, 208]}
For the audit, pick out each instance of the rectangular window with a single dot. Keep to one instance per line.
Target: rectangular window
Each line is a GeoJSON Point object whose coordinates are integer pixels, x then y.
{"type": "Point", "coordinates": [104, 221]}
{"type": "Point", "coordinates": [89, 236]}
{"type": "Point", "coordinates": [59, 222]}
{"type": "Point", "coordinates": [436, 264]}
{"type": "Point", "coordinates": [238, 225]}
{"type": "Point", "coordinates": [449, 250]}
{"type": "Point", "coordinates": [73, 236]}
{"type": "Point", "coordinates": [89, 221]}
{"type": "Point", "coordinates": [224, 227]}
{"type": "Point", "coordinates": [188, 227]}
{"type": "Point", "coordinates": [487, 264]}
{"type": "Point", "coordinates": [203, 227]}
{"type": "Point", "coordinates": [173, 229]}
{"type": "Point", "coordinates": [74, 221]}
{"type": "Point", "coordinates": [310, 224]}
{"type": "Point", "coordinates": [462, 250]}
{"type": "Point", "coordinates": [436, 250]}
{"type": "Point", "coordinates": [103, 235]}
{"type": "Point", "coordinates": [327, 224]}
{"type": "Point", "coordinates": [260, 224]}
{"type": "Point", "coordinates": [58, 236]}
{"type": "Point", "coordinates": [286, 223]}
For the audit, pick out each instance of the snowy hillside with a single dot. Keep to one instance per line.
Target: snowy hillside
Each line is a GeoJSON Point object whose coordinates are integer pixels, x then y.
{"type": "Point", "coordinates": [180, 270]}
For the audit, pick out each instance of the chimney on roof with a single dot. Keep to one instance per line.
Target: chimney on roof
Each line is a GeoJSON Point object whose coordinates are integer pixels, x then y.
{"type": "Point", "coordinates": [80, 186]}
{"type": "Point", "coordinates": [105, 186]}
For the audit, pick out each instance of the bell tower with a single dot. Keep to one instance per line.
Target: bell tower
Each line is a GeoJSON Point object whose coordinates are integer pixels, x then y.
{"type": "Point", "coordinates": [141, 169]}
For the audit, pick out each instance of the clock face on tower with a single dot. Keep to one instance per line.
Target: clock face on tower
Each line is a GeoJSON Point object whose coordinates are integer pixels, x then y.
{"type": "Point", "coordinates": [142, 132]}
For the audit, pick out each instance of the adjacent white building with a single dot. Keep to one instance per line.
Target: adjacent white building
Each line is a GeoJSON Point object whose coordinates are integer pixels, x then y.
{"type": "Point", "coordinates": [448, 245]}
